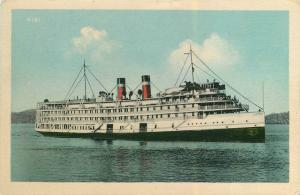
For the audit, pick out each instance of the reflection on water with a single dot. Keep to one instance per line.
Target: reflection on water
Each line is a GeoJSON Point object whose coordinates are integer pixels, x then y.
{"type": "Point", "coordinates": [143, 143]}
{"type": "Point", "coordinates": [39, 158]}
{"type": "Point", "coordinates": [109, 142]}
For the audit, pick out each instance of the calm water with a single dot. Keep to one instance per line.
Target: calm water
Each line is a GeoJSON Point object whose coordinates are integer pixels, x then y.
{"type": "Point", "coordinates": [39, 158]}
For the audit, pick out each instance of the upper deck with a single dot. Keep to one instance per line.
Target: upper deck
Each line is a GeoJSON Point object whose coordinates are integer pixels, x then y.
{"type": "Point", "coordinates": [211, 97]}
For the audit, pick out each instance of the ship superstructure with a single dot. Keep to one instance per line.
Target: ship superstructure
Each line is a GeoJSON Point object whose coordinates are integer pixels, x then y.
{"type": "Point", "coordinates": [189, 111]}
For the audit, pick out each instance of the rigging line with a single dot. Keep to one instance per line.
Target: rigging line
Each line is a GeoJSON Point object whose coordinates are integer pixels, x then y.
{"type": "Point", "coordinates": [182, 68]}
{"type": "Point", "coordinates": [73, 83]}
{"type": "Point", "coordinates": [137, 86]}
{"type": "Point", "coordinates": [90, 87]}
{"type": "Point", "coordinates": [131, 89]}
{"type": "Point", "coordinates": [113, 89]}
{"type": "Point", "coordinates": [185, 74]}
{"type": "Point", "coordinates": [97, 79]}
{"type": "Point", "coordinates": [155, 86]}
{"type": "Point", "coordinates": [204, 71]}
{"type": "Point", "coordinates": [198, 76]}
{"type": "Point", "coordinates": [76, 86]}
{"type": "Point", "coordinates": [226, 82]}
{"type": "Point", "coordinates": [210, 76]}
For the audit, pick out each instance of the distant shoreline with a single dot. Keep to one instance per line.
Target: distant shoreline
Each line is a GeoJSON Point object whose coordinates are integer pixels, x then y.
{"type": "Point", "coordinates": [277, 118]}
{"type": "Point", "coordinates": [28, 116]}
{"type": "Point", "coordinates": [34, 123]}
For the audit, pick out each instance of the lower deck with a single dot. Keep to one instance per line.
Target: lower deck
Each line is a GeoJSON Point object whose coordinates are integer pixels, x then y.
{"type": "Point", "coordinates": [220, 121]}
{"type": "Point", "coordinates": [246, 127]}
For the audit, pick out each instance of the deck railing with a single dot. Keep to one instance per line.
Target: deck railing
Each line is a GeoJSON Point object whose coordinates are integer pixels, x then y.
{"type": "Point", "coordinates": [139, 104]}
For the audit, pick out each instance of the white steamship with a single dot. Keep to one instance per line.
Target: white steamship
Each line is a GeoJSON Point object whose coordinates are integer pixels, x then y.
{"type": "Point", "coordinates": [190, 111]}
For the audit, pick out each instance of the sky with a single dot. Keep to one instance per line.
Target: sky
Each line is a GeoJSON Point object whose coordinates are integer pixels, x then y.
{"type": "Point", "coordinates": [245, 48]}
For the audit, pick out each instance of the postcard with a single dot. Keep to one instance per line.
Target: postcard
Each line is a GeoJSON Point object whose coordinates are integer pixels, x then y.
{"type": "Point", "coordinates": [153, 97]}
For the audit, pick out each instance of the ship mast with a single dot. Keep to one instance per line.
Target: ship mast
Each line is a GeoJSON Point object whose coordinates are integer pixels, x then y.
{"type": "Point", "coordinates": [190, 53]}
{"type": "Point", "coordinates": [84, 74]}
{"type": "Point", "coordinates": [192, 64]}
{"type": "Point", "coordinates": [210, 73]}
{"type": "Point", "coordinates": [263, 95]}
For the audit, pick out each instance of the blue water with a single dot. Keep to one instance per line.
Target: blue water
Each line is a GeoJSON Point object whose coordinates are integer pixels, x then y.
{"type": "Point", "coordinates": [39, 158]}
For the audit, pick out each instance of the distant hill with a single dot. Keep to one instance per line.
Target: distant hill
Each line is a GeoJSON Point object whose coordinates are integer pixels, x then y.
{"type": "Point", "coordinates": [26, 116]}
{"type": "Point", "coordinates": [277, 118]}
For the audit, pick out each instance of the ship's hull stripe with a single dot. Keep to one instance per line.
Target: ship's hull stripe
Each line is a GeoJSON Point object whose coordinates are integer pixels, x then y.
{"type": "Point", "coordinates": [252, 134]}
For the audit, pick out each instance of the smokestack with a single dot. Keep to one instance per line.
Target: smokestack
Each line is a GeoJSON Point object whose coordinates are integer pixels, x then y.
{"type": "Point", "coordinates": [121, 88]}
{"type": "Point", "coordinates": [146, 86]}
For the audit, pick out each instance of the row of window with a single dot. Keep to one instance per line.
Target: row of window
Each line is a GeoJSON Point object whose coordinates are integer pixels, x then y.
{"type": "Point", "coordinates": [164, 101]}
{"type": "Point", "coordinates": [115, 118]}
{"type": "Point", "coordinates": [211, 123]}
{"type": "Point", "coordinates": [97, 111]}
{"type": "Point", "coordinates": [122, 127]}
{"type": "Point", "coordinates": [92, 111]}
{"type": "Point", "coordinates": [141, 117]}
{"type": "Point", "coordinates": [66, 126]}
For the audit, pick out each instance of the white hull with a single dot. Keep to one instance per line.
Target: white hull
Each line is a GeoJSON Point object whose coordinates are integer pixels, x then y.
{"type": "Point", "coordinates": [210, 122]}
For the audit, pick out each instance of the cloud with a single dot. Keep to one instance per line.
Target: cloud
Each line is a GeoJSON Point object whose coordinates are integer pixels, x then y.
{"type": "Point", "coordinates": [92, 43]}
{"type": "Point", "coordinates": [215, 51]}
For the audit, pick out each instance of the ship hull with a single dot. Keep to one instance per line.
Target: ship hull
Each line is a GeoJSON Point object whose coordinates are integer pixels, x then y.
{"type": "Point", "coordinates": [249, 134]}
